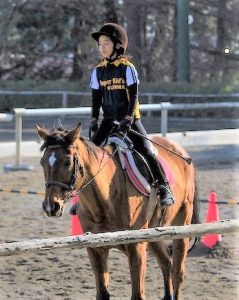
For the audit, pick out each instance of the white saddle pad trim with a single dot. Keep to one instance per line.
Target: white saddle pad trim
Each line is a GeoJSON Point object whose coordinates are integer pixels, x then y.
{"type": "Point", "coordinates": [117, 141]}
{"type": "Point", "coordinates": [124, 147]}
{"type": "Point", "coordinates": [121, 158]}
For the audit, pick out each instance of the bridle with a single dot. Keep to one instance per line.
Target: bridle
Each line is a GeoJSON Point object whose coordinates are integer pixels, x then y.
{"type": "Point", "coordinates": [77, 167]}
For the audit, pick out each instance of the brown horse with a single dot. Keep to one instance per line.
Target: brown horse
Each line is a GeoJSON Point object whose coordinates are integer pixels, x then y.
{"type": "Point", "coordinates": [109, 202]}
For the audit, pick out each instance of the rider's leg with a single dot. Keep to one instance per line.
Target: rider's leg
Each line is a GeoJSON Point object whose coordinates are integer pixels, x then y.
{"type": "Point", "coordinates": [146, 148]}
{"type": "Point", "coordinates": [103, 132]}
{"type": "Point", "coordinates": [165, 194]}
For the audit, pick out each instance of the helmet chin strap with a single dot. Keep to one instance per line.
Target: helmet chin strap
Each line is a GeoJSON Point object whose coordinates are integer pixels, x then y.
{"type": "Point", "coordinates": [114, 55]}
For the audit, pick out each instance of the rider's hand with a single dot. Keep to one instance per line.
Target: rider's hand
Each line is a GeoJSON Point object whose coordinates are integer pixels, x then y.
{"type": "Point", "coordinates": [124, 125]}
{"type": "Point", "coordinates": [94, 125]}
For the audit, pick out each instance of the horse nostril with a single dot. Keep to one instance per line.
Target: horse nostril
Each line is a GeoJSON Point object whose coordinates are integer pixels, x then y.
{"type": "Point", "coordinates": [55, 206]}
{"type": "Point", "coordinates": [52, 208]}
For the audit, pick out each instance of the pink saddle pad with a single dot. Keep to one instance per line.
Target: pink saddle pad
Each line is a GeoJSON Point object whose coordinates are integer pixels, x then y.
{"type": "Point", "coordinates": [167, 170]}
{"type": "Point", "coordinates": [133, 178]}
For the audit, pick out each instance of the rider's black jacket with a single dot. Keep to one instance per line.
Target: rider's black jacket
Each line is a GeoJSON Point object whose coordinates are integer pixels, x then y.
{"type": "Point", "coordinates": [115, 89]}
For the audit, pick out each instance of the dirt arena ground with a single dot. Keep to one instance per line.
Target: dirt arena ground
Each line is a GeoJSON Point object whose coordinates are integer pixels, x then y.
{"type": "Point", "coordinates": [66, 273]}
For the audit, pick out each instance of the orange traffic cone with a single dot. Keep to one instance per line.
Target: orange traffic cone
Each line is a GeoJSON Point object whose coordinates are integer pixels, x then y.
{"type": "Point", "coordinates": [76, 228]}
{"type": "Point", "coordinates": [211, 240]}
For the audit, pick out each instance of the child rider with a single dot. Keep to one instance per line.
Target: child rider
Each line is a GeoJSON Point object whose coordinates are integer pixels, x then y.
{"type": "Point", "coordinates": [114, 83]}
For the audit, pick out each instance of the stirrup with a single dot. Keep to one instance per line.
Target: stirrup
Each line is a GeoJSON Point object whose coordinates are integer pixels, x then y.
{"type": "Point", "coordinates": [165, 196]}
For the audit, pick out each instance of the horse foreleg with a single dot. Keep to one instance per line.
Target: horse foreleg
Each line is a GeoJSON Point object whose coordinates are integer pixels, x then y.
{"type": "Point", "coordinates": [137, 263]}
{"type": "Point", "coordinates": [180, 249]}
{"type": "Point", "coordinates": [98, 258]}
{"type": "Point", "coordinates": [160, 252]}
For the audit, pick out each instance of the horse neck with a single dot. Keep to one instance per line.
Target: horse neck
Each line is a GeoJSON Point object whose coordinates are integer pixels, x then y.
{"type": "Point", "coordinates": [97, 161]}
{"type": "Point", "coordinates": [88, 153]}
{"type": "Point", "coordinates": [99, 165]}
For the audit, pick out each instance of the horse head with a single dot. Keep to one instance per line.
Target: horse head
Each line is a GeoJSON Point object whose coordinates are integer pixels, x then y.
{"type": "Point", "coordinates": [61, 167]}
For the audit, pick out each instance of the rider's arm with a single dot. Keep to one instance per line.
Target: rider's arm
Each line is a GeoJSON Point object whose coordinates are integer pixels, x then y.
{"type": "Point", "coordinates": [96, 103]}
{"type": "Point", "coordinates": [133, 97]}
{"type": "Point", "coordinates": [132, 82]}
{"type": "Point", "coordinates": [96, 95]}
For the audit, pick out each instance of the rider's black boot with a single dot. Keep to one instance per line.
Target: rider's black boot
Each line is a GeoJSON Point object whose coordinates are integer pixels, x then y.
{"type": "Point", "coordinates": [165, 195]}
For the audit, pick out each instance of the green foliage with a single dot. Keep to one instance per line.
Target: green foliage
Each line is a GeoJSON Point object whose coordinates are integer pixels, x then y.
{"type": "Point", "coordinates": [50, 40]}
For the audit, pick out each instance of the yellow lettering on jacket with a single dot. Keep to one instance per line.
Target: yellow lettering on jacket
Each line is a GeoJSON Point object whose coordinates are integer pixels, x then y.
{"type": "Point", "coordinates": [113, 84]}
{"type": "Point", "coordinates": [104, 83]}
{"type": "Point", "coordinates": [115, 87]}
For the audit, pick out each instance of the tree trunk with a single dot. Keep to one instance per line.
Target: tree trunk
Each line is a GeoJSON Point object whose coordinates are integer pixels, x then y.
{"type": "Point", "coordinates": [133, 19]}
{"type": "Point", "coordinates": [220, 45]}
{"type": "Point", "coordinates": [111, 11]}
{"type": "Point", "coordinates": [77, 71]}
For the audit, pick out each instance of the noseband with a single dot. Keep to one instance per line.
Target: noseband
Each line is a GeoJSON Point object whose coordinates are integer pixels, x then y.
{"type": "Point", "coordinates": [77, 167]}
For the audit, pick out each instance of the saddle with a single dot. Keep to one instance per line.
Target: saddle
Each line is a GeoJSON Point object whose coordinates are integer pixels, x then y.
{"type": "Point", "coordinates": [136, 166]}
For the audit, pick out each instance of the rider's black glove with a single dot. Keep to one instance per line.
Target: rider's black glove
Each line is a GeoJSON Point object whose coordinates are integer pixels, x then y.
{"type": "Point", "coordinates": [124, 125]}
{"type": "Point", "coordinates": [94, 125]}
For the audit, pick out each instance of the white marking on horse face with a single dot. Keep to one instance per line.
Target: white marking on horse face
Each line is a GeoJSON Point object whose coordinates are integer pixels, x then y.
{"type": "Point", "coordinates": [52, 159]}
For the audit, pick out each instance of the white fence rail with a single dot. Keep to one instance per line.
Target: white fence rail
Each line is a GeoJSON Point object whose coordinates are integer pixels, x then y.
{"type": "Point", "coordinates": [120, 237]}
{"type": "Point", "coordinates": [6, 117]}
{"type": "Point", "coordinates": [164, 107]}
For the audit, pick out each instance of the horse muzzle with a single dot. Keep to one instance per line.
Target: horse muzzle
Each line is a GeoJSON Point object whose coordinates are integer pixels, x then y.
{"type": "Point", "coordinates": [53, 208]}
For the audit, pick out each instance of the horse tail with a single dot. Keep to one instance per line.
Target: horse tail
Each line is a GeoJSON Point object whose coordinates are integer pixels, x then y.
{"type": "Point", "coordinates": [196, 213]}
{"type": "Point", "coordinates": [195, 220]}
{"type": "Point", "coordinates": [196, 206]}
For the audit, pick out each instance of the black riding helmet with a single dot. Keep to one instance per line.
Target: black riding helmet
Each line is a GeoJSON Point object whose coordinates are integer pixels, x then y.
{"type": "Point", "coordinates": [116, 33]}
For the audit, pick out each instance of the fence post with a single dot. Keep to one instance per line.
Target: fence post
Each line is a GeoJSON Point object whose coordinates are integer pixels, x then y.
{"type": "Point", "coordinates": [150, 101]}
{"type": "Point", "coordinates": [18, 137]}
{"type": "Point", "coordinates": [164, 117]}
{"type": "Point", "coordinates": [64, 100]}
{"type": "Point", "coordinates": [19, 112]}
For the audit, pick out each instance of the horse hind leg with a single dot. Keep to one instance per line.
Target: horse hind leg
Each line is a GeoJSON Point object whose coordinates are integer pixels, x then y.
{"type": "Point", "coordinates": [98, 259]}
{"type": "Point", "coordinates": [180, 250]}
{"type": "Point", "coordinates": [137, 263]}
{"type": "Point", "coordinates": [159, 250]}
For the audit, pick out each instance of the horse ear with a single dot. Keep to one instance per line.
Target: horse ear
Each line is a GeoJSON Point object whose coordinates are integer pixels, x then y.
{"type": "Point", "coordinates": [43, 133]}
{"type": "Point", "coordinates": [74, 133]}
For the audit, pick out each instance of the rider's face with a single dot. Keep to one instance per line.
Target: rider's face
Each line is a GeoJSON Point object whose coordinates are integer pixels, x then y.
{"type": "Point", "coordinates": [106, 46]}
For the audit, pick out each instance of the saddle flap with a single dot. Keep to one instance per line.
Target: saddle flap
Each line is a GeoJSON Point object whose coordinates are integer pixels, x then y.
{"type": "Point", "coordinates": [135, 175]}
{"type": "Point", "coordinates": [128, 163]}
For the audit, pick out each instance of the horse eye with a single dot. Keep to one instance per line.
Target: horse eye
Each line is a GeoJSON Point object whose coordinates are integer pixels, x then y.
{"type": "Point", "coordinates": [67, 162]}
